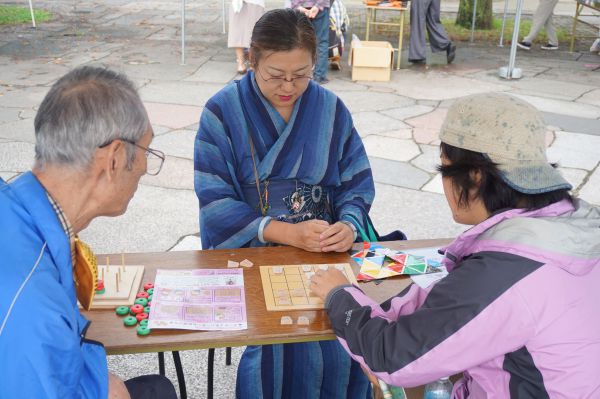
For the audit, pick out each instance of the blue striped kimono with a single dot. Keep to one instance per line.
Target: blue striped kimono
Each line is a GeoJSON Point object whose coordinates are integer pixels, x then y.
{"type": "Point", "coordinates": [318, 147]}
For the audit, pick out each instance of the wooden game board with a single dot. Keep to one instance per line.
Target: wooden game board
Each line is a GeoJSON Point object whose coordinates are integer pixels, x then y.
{"type": "Point", "coordinates": [129, 285]}
{"type": "Point", "coordinates": [289, 290]}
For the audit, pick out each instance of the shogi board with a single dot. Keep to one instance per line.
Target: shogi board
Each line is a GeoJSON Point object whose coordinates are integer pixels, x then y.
{"type": "Point", "coordinates": [129, 286]}
{"type": "Point", "coordinates": [289, 290]}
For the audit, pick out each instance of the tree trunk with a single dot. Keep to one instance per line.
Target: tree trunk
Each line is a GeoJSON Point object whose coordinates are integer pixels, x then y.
{"type": "Point", "coordinates": [483, 16]}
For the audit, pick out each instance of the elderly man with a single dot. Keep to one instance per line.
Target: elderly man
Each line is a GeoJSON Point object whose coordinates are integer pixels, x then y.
{"type": "Point", "coordinates": [92, 138]}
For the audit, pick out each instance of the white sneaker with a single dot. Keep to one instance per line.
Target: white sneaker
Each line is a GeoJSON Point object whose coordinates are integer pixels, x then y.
{"type": "Point", "coordinates": [549, 46]}
{"type": "Point", "coordinates": [595, 46]}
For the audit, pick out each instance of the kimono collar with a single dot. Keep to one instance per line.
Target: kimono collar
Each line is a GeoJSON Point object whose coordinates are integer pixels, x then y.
{"type": "Point", "coordinates": [278, 121]}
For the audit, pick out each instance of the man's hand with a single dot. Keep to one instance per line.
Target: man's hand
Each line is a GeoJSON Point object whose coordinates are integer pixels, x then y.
{"type": "Point", "coordinates": [307, 235]}
{"type": "Point", "coordinates": [324, 281]}
{"type": "Point", "coordinates": [117, 388]}
{"type": "Point", "coordinates": [339, 237]}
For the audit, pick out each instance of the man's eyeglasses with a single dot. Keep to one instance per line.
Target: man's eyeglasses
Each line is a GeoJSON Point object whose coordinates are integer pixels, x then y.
{"type": "Point", "coordinates": [154, 158]}
{"type": "Point", "coordinates": [279, 80]}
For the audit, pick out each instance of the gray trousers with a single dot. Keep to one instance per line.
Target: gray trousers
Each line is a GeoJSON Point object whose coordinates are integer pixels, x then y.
{"type": "Point", "coordinates": [543, 19]}
{"type": "Point", "coordinates": [426, 14]}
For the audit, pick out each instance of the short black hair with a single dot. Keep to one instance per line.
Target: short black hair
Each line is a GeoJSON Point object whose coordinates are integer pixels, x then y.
{"type": "Point", "coordinates": [283, 29]}
{"type": "Point", "coordinates": [495, 193]}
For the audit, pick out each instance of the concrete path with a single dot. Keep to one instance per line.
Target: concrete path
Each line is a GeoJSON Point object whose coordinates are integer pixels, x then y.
{"type": "Point", "coordinates": [398, 120]}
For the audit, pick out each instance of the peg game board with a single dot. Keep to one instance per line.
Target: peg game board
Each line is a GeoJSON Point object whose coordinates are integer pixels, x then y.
{"type": "Point", "coordinates": [121, 284]}
{"type": "Point", "coordinates": [286, 287]}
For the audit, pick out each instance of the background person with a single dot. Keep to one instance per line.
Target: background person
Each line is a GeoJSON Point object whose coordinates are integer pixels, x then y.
{"type": "Point", "coordinates": [243, 14]}
{"type": "Point", "coordinates": [517, 312]}
{"type": "Point", "coordinates": [425, 14]}
{"type": "Point", "coordinates": [542, 18]}
{"type": "Point", "coordinates": [92, 137]}
{"type": "Point", "coordinates": [278, 161]}
{"type": "Point", "coordinates": [318, 13]}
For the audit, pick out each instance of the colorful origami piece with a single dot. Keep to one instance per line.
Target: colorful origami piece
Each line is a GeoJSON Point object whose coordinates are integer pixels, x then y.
{"type": "Point", "coordinates": [377, 262]}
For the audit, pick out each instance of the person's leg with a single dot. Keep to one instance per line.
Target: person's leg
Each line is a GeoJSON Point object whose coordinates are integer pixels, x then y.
{"type": "Point", "coordinates": [321, 25]}
{"type": "Point", "coordinates": [260, 372]}
{"type": "Point", "coordinates": [240, 59]}
{"type": "Point", "coordinates": [542, 13]}
{"type": "Point", "coordinates": [551, 32]}
{"type": "Point", "coordinates": [302, 370]}
{"type": "Point", "coordinates": [151, 387]}
{"type": "Point", "coordinates": [438, 38]}
{"type": "Point", "coordinates": [416, 49]}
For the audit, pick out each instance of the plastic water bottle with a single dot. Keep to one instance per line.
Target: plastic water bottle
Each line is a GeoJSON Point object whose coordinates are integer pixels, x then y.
{"type": "Point", "coordinates": [440, 389]}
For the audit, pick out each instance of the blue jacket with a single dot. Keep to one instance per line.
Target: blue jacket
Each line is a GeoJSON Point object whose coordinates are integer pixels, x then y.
{"type": "Point", "coordinates": [43, 350]}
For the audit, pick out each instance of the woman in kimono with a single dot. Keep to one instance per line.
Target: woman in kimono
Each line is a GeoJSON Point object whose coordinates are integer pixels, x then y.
{"type": "Point", "coordinates": [278, 162]}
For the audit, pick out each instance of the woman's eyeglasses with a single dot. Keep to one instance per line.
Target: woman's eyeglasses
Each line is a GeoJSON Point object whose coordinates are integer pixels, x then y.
{"type": "Point", "coordinates": [279, 80]}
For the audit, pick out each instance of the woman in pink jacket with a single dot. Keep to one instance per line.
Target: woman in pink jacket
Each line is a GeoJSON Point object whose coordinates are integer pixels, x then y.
{"type": "Point", "coordinates": [518, 312]}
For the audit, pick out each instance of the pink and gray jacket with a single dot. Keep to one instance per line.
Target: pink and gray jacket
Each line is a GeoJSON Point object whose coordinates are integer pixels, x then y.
{"type": "Point", "coordinates": [519, 312]}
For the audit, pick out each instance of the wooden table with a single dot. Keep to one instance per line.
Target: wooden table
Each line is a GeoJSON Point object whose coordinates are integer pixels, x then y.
{"type": "Point", "coordinates": [263, 327]}
{"type": "Point", "coordinates": [372, 20]}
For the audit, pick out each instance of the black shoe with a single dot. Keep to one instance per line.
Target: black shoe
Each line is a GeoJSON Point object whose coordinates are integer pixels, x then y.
{"type": "Point", "coordinates": [524, 45]}
{"type": "Point", "coordinates": [421, 61]}
{"type": "Point", "coordinates": [450, 53]}
{"type": "Point", "coordinates": [549, 46]}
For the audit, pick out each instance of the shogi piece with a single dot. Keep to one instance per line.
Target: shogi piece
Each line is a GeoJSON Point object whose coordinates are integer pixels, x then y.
{"type": "Point", "coordinates": [303, 321]}
{"type": "Point", "coordinates": [286, 320]}
{"type": "Point", "coordinates": [232, 264]}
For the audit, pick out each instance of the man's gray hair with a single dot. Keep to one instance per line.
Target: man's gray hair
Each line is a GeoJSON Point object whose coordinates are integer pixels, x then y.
{"type": "Point", "coordinates": [84, 110]}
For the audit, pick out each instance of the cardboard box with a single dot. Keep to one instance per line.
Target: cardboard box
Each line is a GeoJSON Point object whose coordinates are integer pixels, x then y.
{"type": "Point", "coordinates": [372, 61]}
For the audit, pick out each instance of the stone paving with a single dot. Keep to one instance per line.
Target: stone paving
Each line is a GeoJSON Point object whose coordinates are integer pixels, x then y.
{"type": "Point", "coordinates": [398, 121]}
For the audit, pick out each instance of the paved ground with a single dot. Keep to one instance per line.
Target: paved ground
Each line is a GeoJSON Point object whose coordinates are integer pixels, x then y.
{"type": "Point", "coordinates": [398, 121]}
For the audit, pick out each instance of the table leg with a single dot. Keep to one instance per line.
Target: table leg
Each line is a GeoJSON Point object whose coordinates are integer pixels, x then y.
{"type": "Point", "coordinates": [228, 356]}
{"type": "Point", "coordinates": [161, 363]}
{"type": "Point", "coordinates": [573, 32]}
{"type": "Point", "coordinates": [180, 376]}
{"type": "Point", "coordinates": [368, 24]}
{"type": "Point", "coordinates": [400, 38]}
{"type": "Point", "coordinates": [211, 368]}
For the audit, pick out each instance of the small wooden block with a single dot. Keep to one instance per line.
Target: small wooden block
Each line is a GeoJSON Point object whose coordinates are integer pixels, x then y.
{"type": "Point", "coordinates": [306, 268]}
{"type": "Point", "coordinates": [246, 263]}
{"type": "Point", "coordinates": [232, 264]}
{"type": "Point", "coordinates": [303, 321]}
{"type": "Point", "coordinates": [286, 320]}
{"type": "Point", "coordinates": [323, 267]}
{"type": "Point", "coordinates": [277, 270]}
